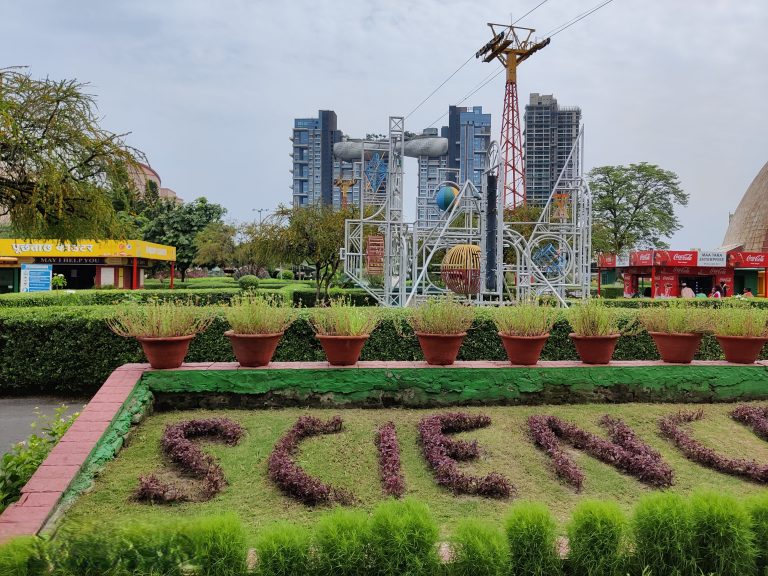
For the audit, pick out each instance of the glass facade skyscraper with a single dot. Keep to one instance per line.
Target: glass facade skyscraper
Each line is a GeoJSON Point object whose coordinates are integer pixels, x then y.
{"type": "Point", "coordinates": [313, 140]}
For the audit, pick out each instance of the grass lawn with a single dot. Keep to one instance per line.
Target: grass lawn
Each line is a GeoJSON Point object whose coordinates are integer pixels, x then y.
{"type": "Point", "coordinates": [348, 460]}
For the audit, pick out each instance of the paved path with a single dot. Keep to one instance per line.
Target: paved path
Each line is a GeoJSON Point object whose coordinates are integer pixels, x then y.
{"type": "Point", "coordinates": [16, 415]}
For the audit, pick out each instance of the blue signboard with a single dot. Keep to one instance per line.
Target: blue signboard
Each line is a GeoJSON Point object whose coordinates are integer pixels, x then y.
{"type": "Point", "coordinates": [36, 277]}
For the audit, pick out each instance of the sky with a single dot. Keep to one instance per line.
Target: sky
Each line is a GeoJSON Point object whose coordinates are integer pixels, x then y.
{"type": "Point", "coordinates": [208, 90]}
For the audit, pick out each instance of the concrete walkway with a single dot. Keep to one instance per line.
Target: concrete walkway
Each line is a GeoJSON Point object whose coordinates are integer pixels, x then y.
{"type": "Point", "coordinates": [16, 415]}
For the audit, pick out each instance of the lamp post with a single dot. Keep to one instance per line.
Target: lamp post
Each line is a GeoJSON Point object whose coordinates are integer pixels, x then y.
{"type": "Point", "coordinates": [260, 210]}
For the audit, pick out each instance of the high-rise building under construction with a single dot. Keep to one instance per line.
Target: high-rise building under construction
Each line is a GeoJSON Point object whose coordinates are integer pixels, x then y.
{"type": "Point", "coordinates": [550, 132]}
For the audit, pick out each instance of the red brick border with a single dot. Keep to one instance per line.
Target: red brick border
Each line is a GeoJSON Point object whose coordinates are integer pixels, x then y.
{"type": "Point", "coordinates": [42, 493]}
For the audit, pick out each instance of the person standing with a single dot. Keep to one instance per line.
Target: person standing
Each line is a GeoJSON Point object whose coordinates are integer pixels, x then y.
{"type": "Point", "coordinates": [686, 291]}
{"type": "Point", "coordinates": [723, 289]}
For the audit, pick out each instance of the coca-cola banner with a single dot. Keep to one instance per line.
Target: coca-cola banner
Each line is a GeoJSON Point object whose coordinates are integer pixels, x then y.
{"type": "Point", "coordinates": [728, 280]}
{"type": "Point", "coordinates": [693, 271]}
{"type": "Point", "coordinates": [666, 286]}
{"type": "Point", "coordinates": [712, 258]}
{"type": "Point", "coordinates": [630, 285]}
{"type": "Point", "coordinates": [606, 260]}
{"type": "Point", "coordinates": [676, 258]}
{"type": "Point", "coordinates": [748, 260]}
{"type": "Point", "coordinates": [641, 258]}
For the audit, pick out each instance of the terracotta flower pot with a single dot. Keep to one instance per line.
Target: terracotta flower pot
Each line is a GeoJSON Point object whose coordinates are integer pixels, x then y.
{"type": "Point", "coordinates": [440, 349]}
{"type": "Point", "coordinates": [342, 350]}
{"type": "Point", "coordinates": [253, 349]}
{"type": "Point", "coordinates": [523, 350]}
{"type": "Point", "coordinates": [163, 353]}
{"type": "Point", "coordinates": [741, 349]}
{"type": "Point", "coordinates": [595, 349]}
{"type": "Point", "coordinates": [676, 348]}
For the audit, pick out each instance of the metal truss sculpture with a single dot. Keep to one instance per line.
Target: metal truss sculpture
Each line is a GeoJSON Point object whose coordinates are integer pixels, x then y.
{"type": "Point", "coordinates": [395, 262]}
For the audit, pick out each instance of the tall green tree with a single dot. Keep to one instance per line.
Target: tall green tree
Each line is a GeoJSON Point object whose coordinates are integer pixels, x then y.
{"type": "Point", "coordinates": [215, 245]}
{"type": "Point", "coordinates": [58, 167]}
{"type": "Point", "coordinates": [178, 225]}
{"type": "Point", "coordinates": [634, 206]}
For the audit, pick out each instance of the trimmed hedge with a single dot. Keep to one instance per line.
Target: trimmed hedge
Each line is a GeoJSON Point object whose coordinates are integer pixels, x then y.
{"type": "Point", "coordinates": [705, 534]}
{"type": "Point", "coordinates": [70, 350]}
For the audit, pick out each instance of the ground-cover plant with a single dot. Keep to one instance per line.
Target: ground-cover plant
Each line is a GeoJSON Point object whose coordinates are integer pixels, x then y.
{"type": "Point", "coordinates": [178, 445]}
{"type": "Point", "coordinates": [258, 314]}
{"type": "Point", "coordinates": [342, 544]}
{"type": "Point", "coordinates": [677, 317]}
{"type": "Point", "coordinates": [18, 465]}
{"type": "Point", "coordinates": [723, 542]}
{"type": "Point", "coordinates": [284, 550]}
{"type": "Point", "coordinates": [756, 417]}
{"type": "Point", "coordinates": [160, 319]}
{"type": "Point", "coordinates": [442, 454]}
{"type": "Point", "coordinates": [532, 539]}
{"type": "Point", "coordinates": [403, 539]}
{"type": "Point", "coordinates": [624, 450]}
{"type": "Point", "coordinates": [441, 315]}
{"type": "Point", "coordinates": [479, 549]}
{"type": "Point", "coordinates": [597, 539]}
{"type": "Point", "coordinates": [340, 318]}
{"type": "Point", "coordinates": [290, 477]}
{"type": "Point", "coordinates": [662, 532]}
{"type": "Point", "coordinates": [737, 318]}
{"type": "Point", "coordinates": [671, 427]}
{"type": "Point", "coordinates": [392, 480]}
{"type": "Point", "coordinates": [524, 320]}
{"type": "Point", "coordinates": [593, 318]}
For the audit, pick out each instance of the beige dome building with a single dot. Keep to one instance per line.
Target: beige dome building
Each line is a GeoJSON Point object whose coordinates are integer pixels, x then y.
{"type": "Point", "coordinates": [748, 226]}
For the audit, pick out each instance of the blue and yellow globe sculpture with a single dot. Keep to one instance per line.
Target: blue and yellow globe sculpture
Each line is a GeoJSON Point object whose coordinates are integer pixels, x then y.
{"type": "Point", "coordinates": [446, 196]}
{"type": "Point", "coordinates": [460, 269]}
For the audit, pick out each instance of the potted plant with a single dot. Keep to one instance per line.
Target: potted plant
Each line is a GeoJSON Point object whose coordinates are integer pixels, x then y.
{"type": "Point", "coordinates": [741, 330]}
{"type": "Point", "coordinates": [524, 330]}
{"type": "Point", "coordinates": [164, 329]}
{"type": "Point", "coordinates": [440, 325]}
{"type": "Point", "coordinates": [342, 330]}
{"type": "Point", "coordinates": [258, 323]}
{"type": "Point", "coordinates": [676, 328]}
{"type": "Point", "coordinates": [595, 331]}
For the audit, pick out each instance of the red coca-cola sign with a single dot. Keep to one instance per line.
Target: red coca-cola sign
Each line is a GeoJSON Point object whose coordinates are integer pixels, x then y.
{"type": "Point", "coordinates": [641, 258]}
{"type": "Point", "coordinates": [748, 259]}
{"type": "Point", "coordinates": [606, 260]}
{"type": "Point", "coordinates": [675, 257]}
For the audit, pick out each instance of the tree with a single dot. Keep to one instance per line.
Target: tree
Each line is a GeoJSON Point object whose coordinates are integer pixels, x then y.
{"type": "Point", "coordinates": [634, 206]}
{"type": "Point", "coordinates": [58, 167]}
{"type": "Point", "coordinates": [215, 245]}
{"type": "Point", "coordinates": [313, 234]}
{"type": "Point", "coordinates": [178, 225]}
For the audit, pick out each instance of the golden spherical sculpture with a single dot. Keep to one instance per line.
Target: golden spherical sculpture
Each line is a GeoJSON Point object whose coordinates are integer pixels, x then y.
{"type": "Point", "coordinates": [460, 269]}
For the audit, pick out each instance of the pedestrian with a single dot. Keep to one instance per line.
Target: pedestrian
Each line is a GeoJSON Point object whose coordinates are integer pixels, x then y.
{"type": "Point", "coordinates": [723, 289]}
{"type": "Point", "coordinates": [748, 293]}
{"type": "Point", "coordinates": [686, 291]}
{"type": "Point", "coordinates": [715, 292]}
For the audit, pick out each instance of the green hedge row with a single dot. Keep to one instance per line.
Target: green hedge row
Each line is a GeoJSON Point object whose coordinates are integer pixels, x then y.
{"type": "Point", "coordinates": [709, 533]}
{"type": "Point", "coordinates": [71, 350]}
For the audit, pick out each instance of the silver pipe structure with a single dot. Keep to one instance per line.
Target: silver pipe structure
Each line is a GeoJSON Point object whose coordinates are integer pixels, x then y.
{"type": "Point", "coordinates": [553, 259]}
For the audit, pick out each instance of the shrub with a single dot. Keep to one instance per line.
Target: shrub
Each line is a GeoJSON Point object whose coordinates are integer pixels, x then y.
{"type": "Point", "coordinates": [597, 538]}
{"type": "Point", "coordinates": [403, 539]}
{"type": "Point", "coordinates": [678, 317]}
{"type": "Point", "coordinates": [442, 452]}
{"type": "Point", "coordinates": [259, 314]}
{"type": "Point", "coordinates": [18, 465]}
{"type": "Point", "coordinates": [593, 318]}
{"type": "Point", "coordinates": [624, 451]}
{"type": "Point", "coordinates": [283, 550]}
{"type": "Point", "coordinates": [159, 320]}
{"type": "Point", "coordinates": [286, 275]}
{"type": "Point", "coordinates": [662, 530]}
{"type": "Point", "coordinates": [342, 319]}
{"type": "Point", "coordinates": [524, 320]}
{"type": "Point", "coordinates": [671, 428]}
{"type": "Point", "coordinates": [479, 549]}
{"type": "Point", "coordinates": [342, 544]}
{"type": "Point", "coordinates": [248, 282]}
{"type": "Point", "coordinates": [290, 477]}
{"type": "Point", "coordinates": [757, 508]}
{"type": "Point", "coordinates": [388, 447]}
{"type": "Point", "coordinates": [756, 417]}
{"type": "Point", "coordinates": [737, 318]}
{"type": "Point", "coordinates": [22, 557]}
{"type": "Point", "coordinates": [532, 538]}
{"type": "Point", "coordinates": [722, 542]}
{"type": "Point", "coordinates": [177, 445]}
{"type": "Point", "coordinates": [443, 315]}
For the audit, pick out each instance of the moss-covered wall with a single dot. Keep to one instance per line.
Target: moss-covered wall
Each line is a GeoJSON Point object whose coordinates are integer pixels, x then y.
{"type": "Point", "coordinates": [461, 386]}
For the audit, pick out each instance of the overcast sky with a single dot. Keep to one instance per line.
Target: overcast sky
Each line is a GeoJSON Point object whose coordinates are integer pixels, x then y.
{"type": "Point", "coordinates": [209, 89]}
